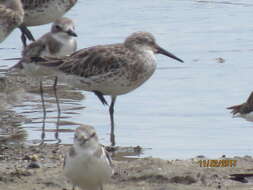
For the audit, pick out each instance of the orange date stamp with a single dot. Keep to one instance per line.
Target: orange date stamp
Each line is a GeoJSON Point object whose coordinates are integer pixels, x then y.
{"type": "Point", "coordinates": [218, 163]}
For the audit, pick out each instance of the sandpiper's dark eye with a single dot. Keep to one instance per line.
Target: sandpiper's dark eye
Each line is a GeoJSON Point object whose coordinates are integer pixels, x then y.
{"type": "Point", "coordinates": [93, 135]}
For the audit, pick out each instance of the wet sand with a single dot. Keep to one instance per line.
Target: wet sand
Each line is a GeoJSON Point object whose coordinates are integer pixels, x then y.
{"type": "Point", "coordinates": [19, 170]}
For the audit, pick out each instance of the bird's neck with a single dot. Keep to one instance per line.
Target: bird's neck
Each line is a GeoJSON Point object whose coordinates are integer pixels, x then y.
{"type": "Point", "coordinates": [61, 37]}
{"type": "Point", "coordinates": [86, 150]}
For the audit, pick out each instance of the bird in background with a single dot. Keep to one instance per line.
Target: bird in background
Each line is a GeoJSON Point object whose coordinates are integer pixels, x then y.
{"type": "Point", "coordinates": [244, 110]}
{"type": "Point", "coordinates": [112, 70]}
{"type": "Point", "coordinates": [87, 164]}
{"type": "Point", "coordinates": [11, 17]}
{"type": "Point", "coordinates": [40, 12]}
{"type": "Point", "coordinates": [59, 42]}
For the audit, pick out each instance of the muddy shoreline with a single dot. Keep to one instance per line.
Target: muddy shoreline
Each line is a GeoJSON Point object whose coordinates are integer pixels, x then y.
{"type": "Point", "coordinates": [27, 167]}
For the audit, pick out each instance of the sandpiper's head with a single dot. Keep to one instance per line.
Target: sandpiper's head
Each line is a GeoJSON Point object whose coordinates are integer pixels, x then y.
{"type": "Point", "coordinates": [64, 27]}
{"type": "Point", "coordinates": [85, 136]}
{"type": "Point", "coordinates": [145, 41]}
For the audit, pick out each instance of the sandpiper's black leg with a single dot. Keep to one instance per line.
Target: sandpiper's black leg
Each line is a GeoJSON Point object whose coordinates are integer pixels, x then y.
{"type": "Point", "coordinates": [58, 111]}
{"type": "Point", "coordinates": [26, 34]}
{"type": "Point", "coordinates": [73, 187]}
{"type": "Point", "coordinates": [44, 113]}
{"type": "Point", "coordinates": [100, 97]}
{"type": "Point", "coordinates": [101, 187]}
{"type": "Point", "coordinates": [111, 110]}
{"type": "Point", "coordinates": [23, 38]}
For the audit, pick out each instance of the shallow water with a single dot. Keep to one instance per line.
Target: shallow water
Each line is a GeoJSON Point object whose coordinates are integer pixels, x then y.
{"type": "Point", "coordinates": [180, 112]}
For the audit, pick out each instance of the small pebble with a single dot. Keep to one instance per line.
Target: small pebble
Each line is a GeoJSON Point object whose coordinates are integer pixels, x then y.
{"type": "Point", "coordinates": [33, 165]}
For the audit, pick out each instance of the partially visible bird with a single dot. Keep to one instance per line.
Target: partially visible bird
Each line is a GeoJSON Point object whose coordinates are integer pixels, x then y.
{"type": "Point", "coordinates": [58, 42]}
{"type": "Point", "coordinates": [11, 17]}
{"type": "Point", "coordinates": [39, 12]}
{"type": "Point", "coordinates": [244, 110]}
{"type": "Point", "coordinates": [87, 164]}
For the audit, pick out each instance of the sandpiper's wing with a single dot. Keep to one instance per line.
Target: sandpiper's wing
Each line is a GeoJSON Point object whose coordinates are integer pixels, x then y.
{"type": "Point", "coordinates": [32, 4]}
{"type": "Point", "coordinates": [250, 100]}
{"type": "Point", "coordinates": [91, 62]}
{"type": "Point", "coordinates": [9, 20]}
{"type": "Point", "coordinates": [248, 106]}
{"type": "Point", "coordinates": [34, 49]}
{"type": "Point", "coordinates": [70, 153]}
{"type": "Point", "coordinates": [102, 154]}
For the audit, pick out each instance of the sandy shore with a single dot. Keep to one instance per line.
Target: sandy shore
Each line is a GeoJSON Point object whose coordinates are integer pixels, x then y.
{"type": "Point", "coordinates": [18, 170]}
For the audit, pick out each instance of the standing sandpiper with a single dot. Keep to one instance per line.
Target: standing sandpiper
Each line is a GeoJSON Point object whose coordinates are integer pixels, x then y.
{"type": "Point", "coordinates": [11, 16]}
{"type": "Point", "coordinates": [39, 12]}
{"type": "Point", "coordinates": [87, 163]}
{"type": "Point", "coordinates": [113, 70]}
{"type": "Point", "coordinates": [244, 110]}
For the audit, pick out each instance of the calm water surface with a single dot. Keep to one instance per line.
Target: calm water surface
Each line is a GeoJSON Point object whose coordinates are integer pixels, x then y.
{"type": "Point", "coordinates": [180, 112]}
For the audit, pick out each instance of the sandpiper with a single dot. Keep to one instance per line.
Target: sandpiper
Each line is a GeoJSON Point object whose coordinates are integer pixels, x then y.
{"type": "Point", "coordinates": [11, 16]}
{"type": "Point", "coordinates": [113, 70]}
{"type": "Point", "coordinates": [244, 110]}
{"type": "Point", "coordinates": [87, 164]}
{"type": "Point", "coordinates": [58, 42]}
{"type": "Point", "coordinates": [39, 12]}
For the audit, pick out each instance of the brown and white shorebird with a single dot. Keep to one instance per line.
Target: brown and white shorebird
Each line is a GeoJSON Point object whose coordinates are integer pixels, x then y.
{"type": "Point", "coordinates": [58, 42]}
{"type": "Point", "coordinates": [87, 164]}
{"type": "Point", "coordinates": [11, 16]}
{"type": "Point", "coordinates": [112, 70]}
{"type": "Point", "coordinates": [244, 110]}
{"type": "Point", "coordinates": [39, 12]}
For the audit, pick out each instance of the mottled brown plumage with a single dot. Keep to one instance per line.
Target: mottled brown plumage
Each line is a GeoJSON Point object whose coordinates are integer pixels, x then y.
{"type": "Point", "coordinates": [39, 12]}
{"type": "Point", "coordinates": [109, 69]}
{"type": "Point", "coordinates": [11, 16]}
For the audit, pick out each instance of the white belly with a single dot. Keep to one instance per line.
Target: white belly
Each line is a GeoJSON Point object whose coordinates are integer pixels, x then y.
{"type": "Point", "coordinates": [67, 49]}
{"type": "Point", "coordinates": [45, 13]}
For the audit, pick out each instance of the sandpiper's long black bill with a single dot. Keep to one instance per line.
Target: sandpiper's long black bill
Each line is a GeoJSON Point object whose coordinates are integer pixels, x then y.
{"type": "Point", "coordinates": [71, 33]}
{"type": "Point", "coordinates": [164, 52]}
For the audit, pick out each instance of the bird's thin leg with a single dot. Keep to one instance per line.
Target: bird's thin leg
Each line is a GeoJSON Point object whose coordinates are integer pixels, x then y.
{"type": "Point", "coordinates": [23, 38]}
{"type": "Point", "coordinates": [26, 34]}
{"type": "Point", "coordinates": [44, 113]}
{"type": "Point", "coordinates": [101, 187]}
{"type": "Point", "coordinates": [111, 110]}
{"type": "Point", "coordinates": [73, 187]}
{"type": "Point", "coordinates": [58, 110]}
{"type": "Point", "coordinates": [100, 97]}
